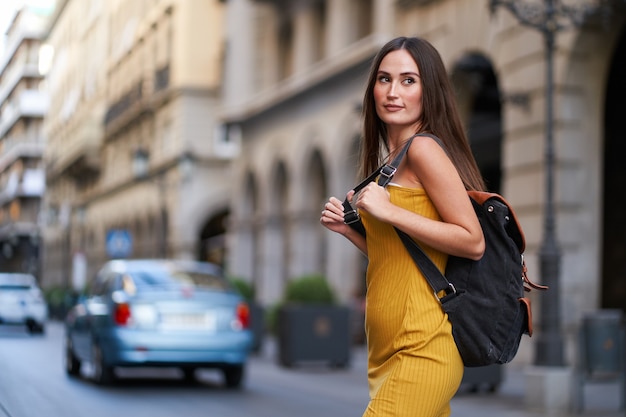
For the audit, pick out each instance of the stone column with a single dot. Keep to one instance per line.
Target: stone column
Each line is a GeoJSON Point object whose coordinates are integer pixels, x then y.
{"type": "Point", "coordinates": [306, 245]}
{"type": "Point", "coordinates": [305, 39]}
{"type": "Point", "coordinates": [337, 28]}
{"type": "Point", "coordinates": [271, 263]}
{"type": "Point", "coordinates": [240, 52]}
{"type": "Point", "coordinates": [383, 15]}
{"type": "Point", "coordinates": [241, 249]}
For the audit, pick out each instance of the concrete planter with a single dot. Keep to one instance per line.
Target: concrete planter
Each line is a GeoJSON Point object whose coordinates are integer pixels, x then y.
{"type": "Point", "coordinates": [314, 333]}
{"type": "Point", "coordinates": [257, 325]}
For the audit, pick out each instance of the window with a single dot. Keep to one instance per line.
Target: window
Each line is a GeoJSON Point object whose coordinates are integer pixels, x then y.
{"type": "Point", "coordinates": [285, 49]}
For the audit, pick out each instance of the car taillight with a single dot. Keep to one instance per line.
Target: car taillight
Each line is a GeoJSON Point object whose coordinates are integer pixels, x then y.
{"type": "Point", "coordinates": [242, 317]}
{"type": "Point", "coordinates": [122, 314]}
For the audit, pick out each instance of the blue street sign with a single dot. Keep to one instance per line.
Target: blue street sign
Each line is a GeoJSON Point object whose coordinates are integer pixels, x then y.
{"type": "Point", "coordinates": [119, 243]}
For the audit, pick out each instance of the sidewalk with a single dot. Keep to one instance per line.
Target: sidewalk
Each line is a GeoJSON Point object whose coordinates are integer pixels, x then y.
{"type": "Point", "coordinates": [601, 400]}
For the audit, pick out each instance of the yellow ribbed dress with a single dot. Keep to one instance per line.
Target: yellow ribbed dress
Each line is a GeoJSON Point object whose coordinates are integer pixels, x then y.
{"type": "Point", "coordinates": [414, 368]}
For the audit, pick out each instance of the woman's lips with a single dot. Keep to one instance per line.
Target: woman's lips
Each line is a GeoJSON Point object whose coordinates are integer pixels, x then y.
{"type": "Point", "coordinates": [393, 107]}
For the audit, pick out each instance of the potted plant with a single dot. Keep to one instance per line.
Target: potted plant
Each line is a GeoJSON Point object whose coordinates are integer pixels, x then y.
{"type": "Point", "coordinates": [311, 326]}
{"type": "Point", "coordinates": [257, 313]}
{"type": "Point", "coordinates": [59, 300]}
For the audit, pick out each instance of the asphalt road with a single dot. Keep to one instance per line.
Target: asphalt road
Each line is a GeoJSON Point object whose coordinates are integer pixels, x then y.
{"type": "Point", "coordinates": [33, 383]}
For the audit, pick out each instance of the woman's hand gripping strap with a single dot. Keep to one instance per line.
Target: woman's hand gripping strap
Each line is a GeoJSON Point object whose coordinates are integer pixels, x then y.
{"type": "Point", "coordinates": [384, 174]}
{"type": "Point", "coordinates": [351, 218]}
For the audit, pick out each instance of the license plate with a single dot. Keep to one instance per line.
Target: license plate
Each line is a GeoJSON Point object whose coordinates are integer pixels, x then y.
{"type": "Point", "coordinates": [185, 321]}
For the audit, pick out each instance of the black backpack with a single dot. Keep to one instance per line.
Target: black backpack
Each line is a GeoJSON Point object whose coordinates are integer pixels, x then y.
{"type": "Point", "coordinates": [485, 299]}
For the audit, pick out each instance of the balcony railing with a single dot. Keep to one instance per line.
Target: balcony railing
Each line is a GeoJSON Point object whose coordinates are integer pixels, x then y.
{"type": "Point", "coordinates": [406, 3]}
{"type": "Point", "coordinates": [27, 103]}
{"type": "Point", "coordinates": [13, 76]}
{"type": "Point", "coordinates": [15, 43]}
{"type": "Point", "coordinates": [31, 184]}
{"type": "Point", "coordinates": [140, 98]}
{"type": "Point", "coordinates": [122, 105]}
{"type": "Point", "coordinates": [13, 149]}
{"type": "Point", "coordinates": [80, 155]}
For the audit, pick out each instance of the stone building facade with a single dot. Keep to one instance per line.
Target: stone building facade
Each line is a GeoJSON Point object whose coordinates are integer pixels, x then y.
{"type": "Point", "coordinates": [135, 166]}
{"type": "Point", "coordinates": [215, 130]}
{"type": "Point", "coordinates": [294, 79]}
{"type": "Point", "coordinates": [23, 104]}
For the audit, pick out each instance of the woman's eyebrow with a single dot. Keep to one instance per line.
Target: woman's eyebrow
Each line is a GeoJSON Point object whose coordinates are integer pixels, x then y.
{"type": "Point", "coordinates": [381, 72]}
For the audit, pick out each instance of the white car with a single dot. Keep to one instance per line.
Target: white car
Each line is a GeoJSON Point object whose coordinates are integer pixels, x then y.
{"type": "Point", "coordinates": [21, 302]}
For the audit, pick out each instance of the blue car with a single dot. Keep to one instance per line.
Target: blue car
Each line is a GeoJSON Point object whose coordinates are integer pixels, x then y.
{"type": "Point", "coordinates": [169, 313]}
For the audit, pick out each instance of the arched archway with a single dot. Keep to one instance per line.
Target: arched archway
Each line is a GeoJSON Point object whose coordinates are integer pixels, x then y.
{"type": "Point", "coordinates": [614, 227]}
{"type": "Point", "coordinates": [479, 98]}
{"type": "Point", "coordinates": [211, 245]}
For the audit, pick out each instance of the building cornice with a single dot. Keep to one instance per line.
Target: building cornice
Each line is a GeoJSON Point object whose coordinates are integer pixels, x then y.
{"type": "Point", "coordinates": [355, 54]}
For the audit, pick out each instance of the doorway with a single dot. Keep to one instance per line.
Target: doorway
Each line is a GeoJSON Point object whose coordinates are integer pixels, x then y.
{"type": "Point", "coordinates": [614, 201]}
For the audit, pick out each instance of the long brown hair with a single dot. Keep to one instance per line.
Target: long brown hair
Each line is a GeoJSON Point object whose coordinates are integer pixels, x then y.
{"type": "Point", "coordinates": [440, 116]}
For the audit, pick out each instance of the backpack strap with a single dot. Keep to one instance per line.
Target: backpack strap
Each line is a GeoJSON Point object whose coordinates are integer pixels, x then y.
{"type": "Point", "coordinates": [384, 173]}
{"type": "Point", "coordinates": [442, 288]}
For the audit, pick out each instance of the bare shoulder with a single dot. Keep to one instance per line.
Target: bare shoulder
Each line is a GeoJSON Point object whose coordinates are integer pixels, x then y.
{"type": "Point", "coordinates": [425, 148]}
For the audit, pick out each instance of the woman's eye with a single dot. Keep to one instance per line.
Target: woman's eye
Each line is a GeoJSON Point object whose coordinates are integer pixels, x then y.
{"type": "Point", "coordinates": [383, 79]}
{"type": "Point", "coordinates": [409, 80]}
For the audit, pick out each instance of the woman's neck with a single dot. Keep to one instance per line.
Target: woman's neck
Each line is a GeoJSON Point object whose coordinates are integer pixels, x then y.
{"type": "Point", "coordinates": [398, 135]}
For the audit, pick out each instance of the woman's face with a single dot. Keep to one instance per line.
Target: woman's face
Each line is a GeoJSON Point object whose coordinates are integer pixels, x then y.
{"type": "Point", "coordinates": [398, 92]}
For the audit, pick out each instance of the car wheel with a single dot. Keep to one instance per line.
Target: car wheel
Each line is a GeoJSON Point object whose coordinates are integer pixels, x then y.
{"type": "Point", "coordinates": [189, 375]}
{"type": "Point", "coordinates": [72, 364]}
{"type": "Point", "coordinates": [34, 327]}
{"type": "Point", "coordinates": [233, 375]}
{"type": "Point", "coordinates": [103, 374]}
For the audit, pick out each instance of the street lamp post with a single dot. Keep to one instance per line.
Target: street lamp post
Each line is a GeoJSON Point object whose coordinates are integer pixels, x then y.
{"type": "Point", "coordinates": [549, 18]}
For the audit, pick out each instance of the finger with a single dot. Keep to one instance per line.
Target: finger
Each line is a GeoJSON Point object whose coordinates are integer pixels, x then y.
{"type": "Point", "coordinates": [333, 215]}
{"type": "Point", "coordinates": [324, 217]}
{"type": "Point", "coordinates": [336, 202]}
{"type": "Point", "coordinates": [334, 207]}
{"type": "Point", "coordinates": [326, 214]}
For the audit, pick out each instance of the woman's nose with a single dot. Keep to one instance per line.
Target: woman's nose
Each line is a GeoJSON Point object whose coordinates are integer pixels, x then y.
{"type": "Point", "coordinates": [392, 90]}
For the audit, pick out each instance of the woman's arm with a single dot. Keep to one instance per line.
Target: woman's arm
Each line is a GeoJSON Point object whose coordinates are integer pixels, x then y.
{"type": "Point", "coordinates": [332, 219]}
{"type": "Point", "coordinates": [427, 166]}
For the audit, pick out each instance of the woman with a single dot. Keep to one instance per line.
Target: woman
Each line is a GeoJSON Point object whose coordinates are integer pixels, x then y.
{"type": "Point", "coordinates": [414, 368]}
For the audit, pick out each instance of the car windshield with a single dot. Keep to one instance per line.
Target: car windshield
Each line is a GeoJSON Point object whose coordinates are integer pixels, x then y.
{"type": "Point", "coordinates": [156, 278]}
{"type": "Point", "coordinates": [16, 282]}
{"type": "Point", "coordinates": [14, 287]}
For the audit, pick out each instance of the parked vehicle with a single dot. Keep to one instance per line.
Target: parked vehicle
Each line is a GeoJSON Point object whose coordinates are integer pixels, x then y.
{"type": "Point", "coordinates": [22, 302]}
{"type": "Point", "coordinates": [140, 313]}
